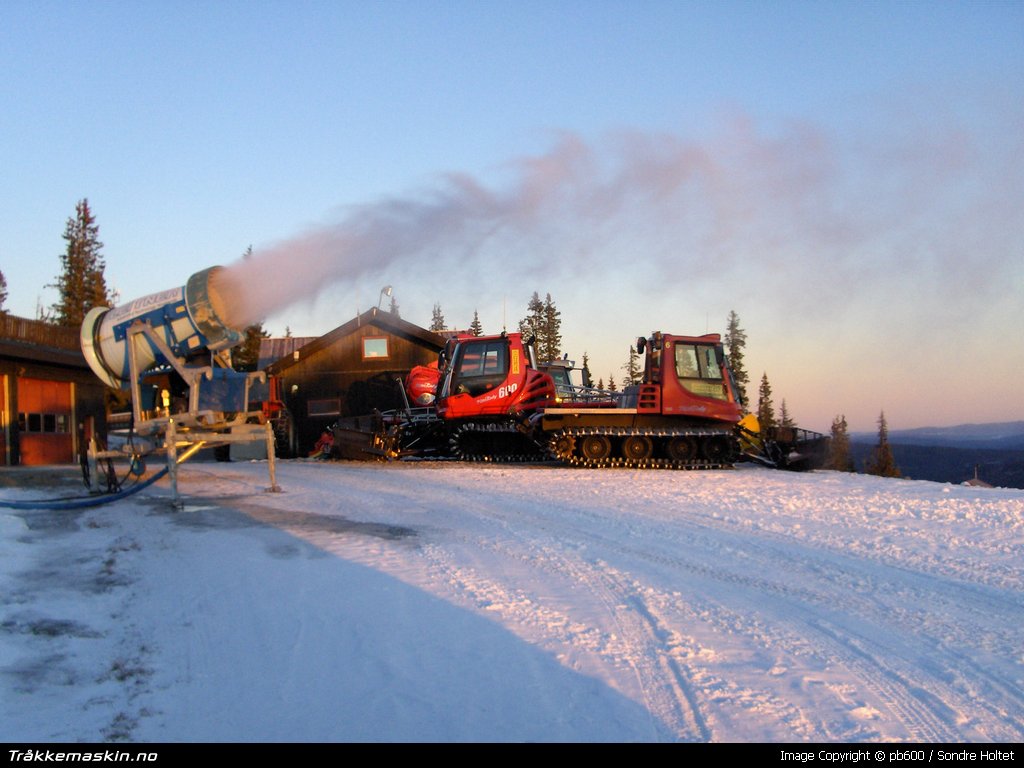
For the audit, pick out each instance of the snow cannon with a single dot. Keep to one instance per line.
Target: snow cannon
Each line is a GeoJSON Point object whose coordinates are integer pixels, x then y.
{"type": "Point", "coordinates": [148, 332]}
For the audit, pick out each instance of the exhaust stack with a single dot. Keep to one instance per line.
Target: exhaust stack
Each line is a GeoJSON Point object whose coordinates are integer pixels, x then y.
{"type": "Point", "coordinates": [188, 320]}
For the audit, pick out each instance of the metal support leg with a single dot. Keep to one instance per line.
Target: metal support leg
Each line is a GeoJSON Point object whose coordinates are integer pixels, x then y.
{"type": "Point", "coordinates": [274, 487]}
{"type": "Point", "coordinates": [90, 457]}
{"type": "Point", "coordinates": [171, 445]}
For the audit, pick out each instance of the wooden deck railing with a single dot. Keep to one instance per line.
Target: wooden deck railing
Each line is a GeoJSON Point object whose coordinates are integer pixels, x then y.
{"type": "Point", "coordinates": [37, 332]}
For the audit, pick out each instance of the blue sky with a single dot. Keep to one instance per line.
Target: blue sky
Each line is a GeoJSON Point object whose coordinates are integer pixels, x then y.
{"type": "Point", "coordinates": [848, 177]}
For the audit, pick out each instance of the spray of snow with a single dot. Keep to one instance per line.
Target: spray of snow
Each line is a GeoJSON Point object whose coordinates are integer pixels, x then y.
{"type": "Point", "coordinates": [803, 202]}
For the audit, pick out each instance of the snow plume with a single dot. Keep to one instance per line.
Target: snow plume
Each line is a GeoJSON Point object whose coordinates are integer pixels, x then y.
{"type": "Point", "coordinates": [924, 210]}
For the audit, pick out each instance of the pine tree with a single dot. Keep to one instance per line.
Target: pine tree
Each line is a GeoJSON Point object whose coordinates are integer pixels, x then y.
{"type": "Point", "coordinates": [246, 357]}
{"type": "Point", "coordinates": [632, 368]}
{"type": "Point", "coordinates": [588, 381]}
{"type": "Point", "coordinates": [611, 384]}
{"type": "Point", "coordinates": [735, 340]}
{"type": "Point", "coordinates": [81, 283]}
{"type": "Point", "coordinates": [533, 323]}
{"type": "Point", "coordinates": [476, 328]}
{"type": "Point", "coordinates": [882, 461]}
{"type": "Point", "coordinates": [839, 447]}
{"type": "Point", "coordinates": [543, 321]}
{"type": "Point", "coordinates": [437, 319]}
{"type": "Point", "coordinates": [393, 309]}
{"type": "Point", "coordinates": [550, 347]}
{"type": "Point", "coordinates": [765, 407]}
{"type": "Point", "coordinates": [785, 420]}
{"type": "Point", "coordinates": [3, 293]}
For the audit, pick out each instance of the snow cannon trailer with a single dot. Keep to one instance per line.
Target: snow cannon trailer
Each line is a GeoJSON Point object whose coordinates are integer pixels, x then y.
{"type": "Point", "coordinates": [171, 352]}
{"type": "Point", "coordinates": [487, 400]}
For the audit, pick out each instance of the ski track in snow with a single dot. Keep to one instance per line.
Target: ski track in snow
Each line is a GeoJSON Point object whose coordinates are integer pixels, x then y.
{"type": "Point", "coordinates": [663, 606]}
{"type": "Point", "coordinates": [744, 605]}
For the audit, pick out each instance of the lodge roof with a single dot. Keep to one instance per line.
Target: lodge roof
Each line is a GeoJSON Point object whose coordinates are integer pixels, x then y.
{"type": "Point", "coordinates": [386, 321]}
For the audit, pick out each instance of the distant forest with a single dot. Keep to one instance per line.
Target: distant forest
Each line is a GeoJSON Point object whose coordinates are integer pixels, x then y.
{"type": "Point", "coordinates": [1001, 467]}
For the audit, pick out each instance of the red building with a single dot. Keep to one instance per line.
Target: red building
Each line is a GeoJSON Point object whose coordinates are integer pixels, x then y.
{"type": "Point", "coordinates": [50, 400]}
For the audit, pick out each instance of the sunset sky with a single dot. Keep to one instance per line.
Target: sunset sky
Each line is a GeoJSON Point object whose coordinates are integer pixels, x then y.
{"type": "Point", "coordinates": [847, 176]}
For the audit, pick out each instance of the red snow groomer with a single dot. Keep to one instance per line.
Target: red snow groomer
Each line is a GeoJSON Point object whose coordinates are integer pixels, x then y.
{"type": "Point", "coordinates": [683, 413]}
{"type": "Point", "coordinates": [476, 403]}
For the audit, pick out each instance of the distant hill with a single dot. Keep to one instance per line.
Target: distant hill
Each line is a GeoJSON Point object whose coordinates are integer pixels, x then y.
{"type": "Point", "coordinates": [951, 454]}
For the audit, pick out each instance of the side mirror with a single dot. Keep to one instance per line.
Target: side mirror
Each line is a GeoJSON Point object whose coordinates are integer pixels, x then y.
{"type": "Point", "coordinates": [641, 345]}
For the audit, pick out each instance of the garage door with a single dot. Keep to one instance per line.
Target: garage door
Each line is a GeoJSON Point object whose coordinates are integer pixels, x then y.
{"type": "Point", "coordinates": [45, 422]}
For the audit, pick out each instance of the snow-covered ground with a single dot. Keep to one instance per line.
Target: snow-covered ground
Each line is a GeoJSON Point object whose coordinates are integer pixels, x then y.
{"type": "Point", "coordinates": [455, 602]}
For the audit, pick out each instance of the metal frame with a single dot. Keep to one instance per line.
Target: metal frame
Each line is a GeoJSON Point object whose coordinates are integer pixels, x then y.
{"type": "Point", "coordinates": [181, 435]}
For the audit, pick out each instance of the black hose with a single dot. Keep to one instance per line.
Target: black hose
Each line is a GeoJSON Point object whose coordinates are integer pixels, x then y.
{"type": "Point", "coordinates": [82, 503]}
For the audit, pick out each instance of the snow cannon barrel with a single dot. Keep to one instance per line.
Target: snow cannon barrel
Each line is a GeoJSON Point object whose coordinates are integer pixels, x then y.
{"type": "Point", "coordinates": [188, 320]}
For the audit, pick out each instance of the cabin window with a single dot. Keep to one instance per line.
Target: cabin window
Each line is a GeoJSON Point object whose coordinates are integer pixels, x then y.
{"type": "Point", "coordinates": [480, 367]}
{"type": "Point", "coordinates": [375, 347]}
{"type": "Point", "coordinates": [488, 359]}
{"type": "Point", "coordinates": [709, 363]}
{"type": "Point", "coordinates": [686, 362]}
{"type": "Point", "coordinates": [697, 362]}
{"type": "Point", "coordinates": [699, 371]}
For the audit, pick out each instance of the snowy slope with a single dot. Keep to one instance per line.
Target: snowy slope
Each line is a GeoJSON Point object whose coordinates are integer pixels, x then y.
{"type": "Point", "coordinates": [454, 602]}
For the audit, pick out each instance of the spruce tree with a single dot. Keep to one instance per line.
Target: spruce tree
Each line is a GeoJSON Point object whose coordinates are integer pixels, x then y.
{"type": "Point", "coordinates": [3, 293]}
{"type": "Point", "coordinates": [533, 323]}
{"type": "Point", "coordinates": [543, 321]}
{"type": "Point", "coordinates": [735, 340]}
{"type": "Point", "coordinates": [81, 282]}
{"type": "Point", "coordinates": [839, 447]}
{"type": "Point", "coordinates": [882, 461]}
{"type": "Point", "coordinates": [765, 407]}
{"type": "Point", "coordinates": [246, 357]}
{"type": "Point", "coordinates": [393, 309]}
{"type": "Point", "coordinates": [437, 320]}
{"type": "Point", "coordinates": [476, 328]}
{"type": "Point", "coordinates": [785, 420]}
{"type": "Point", "coordinates": [632, 368]}
{"type": "Point", "coordinates": [585, 372]}
{"type": "Point", "coordinates": [550, 347]}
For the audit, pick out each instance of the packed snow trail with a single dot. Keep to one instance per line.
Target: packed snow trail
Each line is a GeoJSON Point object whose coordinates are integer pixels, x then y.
{"type": "Point", "coordinates": [447, 601]}
{"type": "Point", "coordinates": [733, 605]}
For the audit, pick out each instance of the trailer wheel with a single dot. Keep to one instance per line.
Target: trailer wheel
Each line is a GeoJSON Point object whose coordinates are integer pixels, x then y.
{"type": "Point", "coordinates": [682, 449]}
{"type": "Point", "coordinates": [596, 447]}
{"type": "Point", "coordinates": [637, 448]}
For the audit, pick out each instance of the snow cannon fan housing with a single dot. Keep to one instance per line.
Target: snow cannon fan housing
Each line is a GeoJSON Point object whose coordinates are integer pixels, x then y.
{"type": "Point", "coordinates": [188, 320]}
